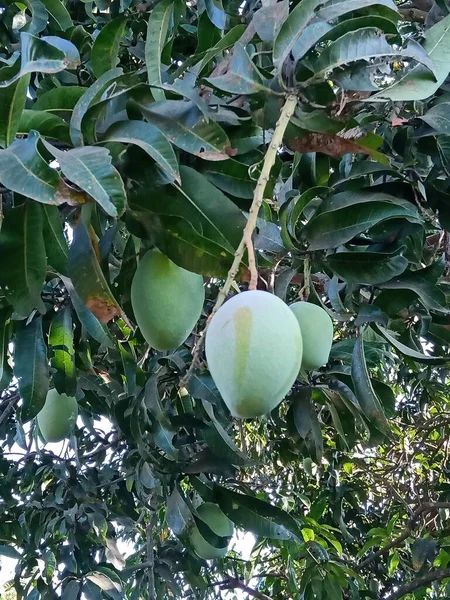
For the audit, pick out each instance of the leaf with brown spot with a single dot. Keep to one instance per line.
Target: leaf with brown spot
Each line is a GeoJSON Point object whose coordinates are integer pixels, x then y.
{"type": "Point", "coordinates": [326, 143]}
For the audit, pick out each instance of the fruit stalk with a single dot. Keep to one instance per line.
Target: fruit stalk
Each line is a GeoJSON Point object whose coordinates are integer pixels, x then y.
{"type": "Point", "coordinates": [246, 241]}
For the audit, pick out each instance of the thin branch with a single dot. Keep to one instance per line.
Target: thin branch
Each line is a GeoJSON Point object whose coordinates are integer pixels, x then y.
{"type": "Point", "coordinates": [417, 583]}
{"type": "Point", "coordinates": [237, 584]}
{"type": "Point", "coordinates": [258, 197]}
{"type": "Point", "coordinates": [420, 510]}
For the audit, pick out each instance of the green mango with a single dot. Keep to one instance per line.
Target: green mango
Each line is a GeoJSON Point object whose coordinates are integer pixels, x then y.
{"type": "Point", "coordinates": [219, 523]}
{"type": "Point", "coordinates": [254, 352]}
{"type": "Point", "coordinates": [167, 300]}
{"type": "Point", "coordinates": [317, 333]}
{"type": "Point", "coordinates": [57, 418]}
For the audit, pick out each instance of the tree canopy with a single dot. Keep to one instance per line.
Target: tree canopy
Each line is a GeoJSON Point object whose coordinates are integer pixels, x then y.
{"type": "Point", "coordinates": [300, 147]}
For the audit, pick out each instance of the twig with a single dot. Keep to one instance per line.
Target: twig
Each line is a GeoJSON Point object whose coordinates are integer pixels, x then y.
{"type": "Point", "coordinates": [420, 510]}
{"type": "Point", "coordinates": [151, 557]}
{"type": "Point", "coordinates": [258, 197]}
{"type": "Point", "coordinates": [419, 582]}
{"type": "Point", "coordinates": [237, 584]}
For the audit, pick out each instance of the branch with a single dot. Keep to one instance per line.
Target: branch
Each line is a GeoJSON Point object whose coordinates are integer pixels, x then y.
{"type": "Point", "coordinates": [237, 584]}
{"type": "Point", "coordinates": [151, 558]}
{"type": "Point", "coordinates": [419, 582]}
{"type": "Point", "coordinates": [246, 241]}
{"type": "Point", "coordinates": [420, 510]}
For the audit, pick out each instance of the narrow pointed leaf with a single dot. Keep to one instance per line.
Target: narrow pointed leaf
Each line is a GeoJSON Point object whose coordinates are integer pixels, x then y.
{"type": "Point", "coordinates": [56, 247]}
{"type": "Point", "coordinates": [31, 368]}
{"type": "Point", "coordinates": [242, 76]}
{"type": "Point", "coordinates": [158, 24]}
{"type": "Point", "coordinates": [63, 359]}
{"type": "Point", "coordinates": [389, 336]}
{"type": "Point", "coordinates": [47, 124]}
{"type": "Point", "coordinates": [106, 46]}
{"type": "Point", "coordinates": [13, 99]}
{"type": "Point", "coordinates": [368, 268]}
{"type": "Point", "coordinates": [59, 16]}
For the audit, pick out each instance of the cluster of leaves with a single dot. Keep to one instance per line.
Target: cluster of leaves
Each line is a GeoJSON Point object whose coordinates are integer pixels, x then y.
{"type": "Point", "coordinates": [129, 124]}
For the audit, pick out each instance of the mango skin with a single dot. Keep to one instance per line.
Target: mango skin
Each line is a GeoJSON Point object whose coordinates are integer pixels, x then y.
{"type": "Point", "coordinates": [254, 350]}
{"type": "Point", "coordinates": [167, 300]}
{"type": "Point", "coordinates": [219, 523]}
{"type": "Point", "coordinates": [317, 333]}
{"type": "Point", "coordinates": [57, 417]}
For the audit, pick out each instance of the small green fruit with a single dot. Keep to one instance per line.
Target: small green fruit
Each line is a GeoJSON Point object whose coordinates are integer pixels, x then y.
{"type": "Point", "coordinates": [167, 300]}
{"type": "Point", "coordinates": [219, 523]}
{"type": "Point", "coordinates": [317, 333]}
{"type": "Point", "coordinates": [57, 417]}
{"type": "Point", "coordinates": [254, 352]}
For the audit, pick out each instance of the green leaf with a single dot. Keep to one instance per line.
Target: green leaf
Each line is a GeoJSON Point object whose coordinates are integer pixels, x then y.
{"type": "Point", "coordinates": [108, 582]}
{"type": "Point", "coordinates": [23, 170]}
{"type": "Point", "coordinates": [216, 13]}
{"type": "Point", "coordinates": [228, 40]}
{"type": "Point", "coordinates": [364, 391]}
{"type": "Point", "coordinates": [184, 125]}
{"type": "Point", "coordinates": [47, 54]}
{"type": "Point", "coordinates": [423, 549]}
{"type": "Point", "coordinates": [9, 552]}
{"type": "Point", "coordinates": [72, 589]}
{"type": "Point", "coordinates": [335, 227]}
{"type": "Point", "coordinates": [364, 44]}
{"type": "Point", "coordinates": [150, 139]}
{"type": "Point", "coordinates": [60, 99]}
{"type": "Point", "coordinates": [178, 516]}
{"type": "Point", "coordinates": [158, 24]}
{"type": "Point", "coordinates": [242, 76]}
{"type": "Point", "coordinates": [220, 442]}
{"type": "Point", "coordinates": [203, 387]}
{"type": "Point", "coordinates": [91, 170]}
{"type": "Point", "coordinates": [438, 117]}
{"type": "Point", "coordinates": [13, 98]}
{"type": "Point", "coordinates": [5, 331]}
{"type": "Point", "coordinates": [306, 421]}
{"type": "Point", "coordinates": [63, 360]}
{"type": "Point", "coordinates": [259, 517]}
{"type": "Point", "coordinates": [23, 274]}
{"type": "Point", "coordinates": [106, 46]}
{"type": "Point", "coordinates": [46, 123]}
{"type": "Point", "coordinates": [58, 14]}
{"type": "Point", "coordinates": [367, 268]}
{"type": "Point", "coordinates": [429, 294]}
{"type": "Point", "coordinates": [418, 83]}
{"type": "Point", "coordinates": [406, 351]}
{"type": "Point", "coordinates": [93, 326]}
{"type": "Point", "coordinates": [31, 368]}
{"type": "Point", "coordinates": [56, 247]}
{"type": "Point", "coordinates": [88, 278]}
{"type": "Point", "coordinates": [90, 96]}
{"type": "Point", "coordinates": [39, 16]}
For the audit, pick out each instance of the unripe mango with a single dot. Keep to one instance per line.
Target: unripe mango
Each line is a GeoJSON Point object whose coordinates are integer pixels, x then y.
{"type": "Point", "coordinates": [254, 352]}
{"type": "Point", "coordinates": [317, 334]}
{"type": "Point", "coordinates": [167, 300]}
{"type": "Point", "coordinates": [57, 417]}
{"type": "Point", "coordinates": [219, 523]}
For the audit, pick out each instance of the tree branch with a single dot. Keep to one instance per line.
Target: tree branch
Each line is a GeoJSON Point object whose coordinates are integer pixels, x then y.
{"type": "Point", "coordinates": [419, 582]}
{"type": "Point", "coordinates": [420, 510]}
{"type": "Point", "coordinates": [258, 197]}
{"type": "Point", "coordinates": [237, 584]}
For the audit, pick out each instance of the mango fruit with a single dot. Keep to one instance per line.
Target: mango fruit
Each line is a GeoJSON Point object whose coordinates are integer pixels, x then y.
{"type": "Point", "coordinates": [167, 300]}
{"type": "Point", "coordinates": [254, 350]}
{"type": "Point", "coordinates": [57, 417]}
{"type": "Point", "coordinates": [317, 334]}
{"type": "Point", "coordinates": [219, 523]}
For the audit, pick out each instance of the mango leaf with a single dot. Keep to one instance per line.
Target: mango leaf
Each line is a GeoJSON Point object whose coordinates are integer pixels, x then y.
{"type": "Point", "coordinates": [418, 83]}
{"type": "Point", "coordinates": [90, 96]}
{"type": "Point", "coordinates": [72, 589]}
{"type": "Point", "coordinates": [91, 170]}
{"type": "Point", "coordinates": [31, 368]}
{"type": "Point", "coordinates": [438, 117]}
{"type": "Point", "coordinates": [335, 227]}
{"type": "Point", "coordinates": [58, 14]}
{"type": "Point", "coordinates": [368, 268]}
{"type": "Point", "coordinates": [150, 139]}
{"type": "Point", "coordinates": [10, 552]}
{"type": "Point", "coordinates": [23, 170]}
{"type": "Point", "coordinates": [88, 278]}
{"type": "Point", "coordinates": [158, 24]}
{"type": "Point", "coordinates": [108, 582]}
{"type": "Point", "coordinates": [220, 442]}
{"type": "Point", "coordinates": [429, 294]}
{"type": "Point", "coordinates": [184, 125]}
{"type": "Point", "coordinates": [5, 320]}
{"type": "Point", "coordinates": [423, 549]}
{"type": "Point", "coordinates": [364, 391]}
{"type": "Point", "coordinates": [257, 516]}
{"type": "Point", "coordinates": [242, 76]}
{"type": "Point", "coordinates": [63, 360]}
{"type": "Point", "coordinates": [47, 54]}
{"type": "Point", "coordinates": [89, 321]}
{"type": "Point", "coordinates": [13, 98]}
{"type": "Point", "coordinates": [56, 247]}
{"type": "Point", "coordinates": [389, 336]}
{"type": "Point", "coordinates": [178, 516]}
{"type": "Point", "coordinates": [227, 41]}
{"type": "Point", "coordinates": [23, 274]}
{"type": "Point", "coordinates": [39, 16]}
{"type": "Point", "coordinates": [60, 99]}
{"type": "Point", "coordinates": [364, 44]}
{"type": "Point", "coordinates": [306, 421]}
{"type": "Point", "coordinates": [336, 8]}
{"type": "Point", "coordinates": [46, 123]}
{"type": "Point", "coordinates": [106, 46]}
{"type": "Point", "coordinates": [216, 13]}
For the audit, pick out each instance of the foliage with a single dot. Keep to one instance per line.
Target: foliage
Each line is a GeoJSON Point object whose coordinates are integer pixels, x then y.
{"type": "Point", "coordinates": [127, 125]}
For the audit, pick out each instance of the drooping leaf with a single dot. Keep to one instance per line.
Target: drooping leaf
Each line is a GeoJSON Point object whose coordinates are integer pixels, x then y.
{"type": "Point", "coordinates": [56, 247]}
{"type": "Point", "coordinates": [438, 117]}
{"type": "Point", "coordinates": [91, 170]}
{"type": "Point", "coordinates": [22, 241]}
{"type": "Point", "coordinates": [216, 13]}
{"type": "Point", "coordinates": [106, 46]}
{"type": "Point", "coordinates": [150, 139]}
{"type": "Point", "coordinates": [178, 516]}
{"type": "Point", "coordinates": [58, 14]}
{"type": "Point", "coordinates": [368, 268]}
{"type": "Point", "coordinates": [429, 294]}
{"type": "Point", "coordinates": [13, 98]}
{"type": "Point", "coordinates": [242, 76]}
{"type": "Point", "coordinates": [63, 360]}
{"type": "Point", "coordinates": [47, 124]}
{"type": "Point", "coordinates": [405, 350]}
{"type": "Point", "coordinates": [158, 24]}
{"type": "Point", "coordinates": [31, 368]}
{"type": "Point", "coordinates": [109, 582]}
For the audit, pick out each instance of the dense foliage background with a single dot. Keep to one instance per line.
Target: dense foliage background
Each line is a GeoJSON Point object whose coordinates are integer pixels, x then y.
{"type": "Point", "coordinates": [125, 125]}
